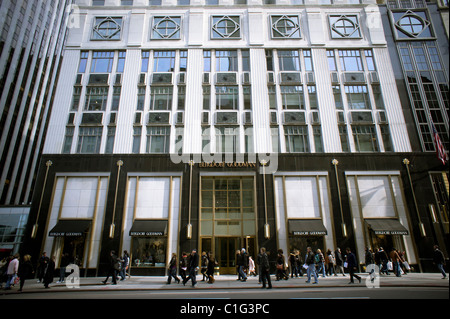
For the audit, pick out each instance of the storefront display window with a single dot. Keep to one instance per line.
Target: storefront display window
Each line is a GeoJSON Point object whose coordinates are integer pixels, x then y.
{"type": "Point", "coordinates": [149, 251]}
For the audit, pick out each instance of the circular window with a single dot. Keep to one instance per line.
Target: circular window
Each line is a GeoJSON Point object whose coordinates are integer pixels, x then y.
{"type": "Point", "coordinates": [108, 29]}
{"type": "Point", "coordinates": [412, 25]}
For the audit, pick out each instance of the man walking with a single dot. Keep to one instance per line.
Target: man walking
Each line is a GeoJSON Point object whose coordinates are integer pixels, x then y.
{"type": "Point", "coordinates": [310, 262]}
{"type": "Point", "coordinates": [263, 261]}
{"type": "Point", "coordinates": [192, 268]}
{"type": "Point", "coordinates": [112, 271]}
{"type": "Point", "coordinates": [351, 264]}
{"type": "Point", "coordinates": [439, 260]}
{"type": "Point", "coordinates": [13, 269]}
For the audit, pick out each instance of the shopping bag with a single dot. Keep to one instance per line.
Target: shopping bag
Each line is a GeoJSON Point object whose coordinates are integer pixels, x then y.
{"type": "Point", "coordinates": [390, 266]}
{"type": "Point", "coordinates": [345, 264]}
{"type": "Point", "coordinates": [407, 267]}
{"type": "Point", "coordinates": [16, 280]}
{"type": "Point", "coordinates": [305, 266]}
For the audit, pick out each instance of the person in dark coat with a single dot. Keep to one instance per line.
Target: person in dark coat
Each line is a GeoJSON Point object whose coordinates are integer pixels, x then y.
{"type": "Point", "coordinates": [25, 270]}
{"type": "Point", "coordinates": [112, 271]}
{"type": "Point", "coordinates": [211, 267]}
{"type": "Point", "coordinates": [173, 269]}
{"type": "Point", "coordinates": [49, 272]}
{"type": "Point", "coordinates": [339, 261]}
{"type": "Point", "coordinates": [43, 262]}
{"type": "Point", "coordinates": [351, 264]}
{"type": "Point", "coordinates": [263, 262]}
{"type": "Point", "coordinates": [65, 260]}
{"type": "Point", "coordinates": [439, 260]}
{"type": "Point", "coordinates": [192, 268]}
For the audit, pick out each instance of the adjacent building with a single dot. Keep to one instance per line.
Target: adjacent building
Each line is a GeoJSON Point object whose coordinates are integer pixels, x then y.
{"type": "Point", "coordinates": [221, 125]}
{"type": "Point", "coordinates": [31, 42]}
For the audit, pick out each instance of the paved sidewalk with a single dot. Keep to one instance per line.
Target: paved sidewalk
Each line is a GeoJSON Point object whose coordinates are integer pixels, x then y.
{"type": "Point", "coordinates": [230, 282]}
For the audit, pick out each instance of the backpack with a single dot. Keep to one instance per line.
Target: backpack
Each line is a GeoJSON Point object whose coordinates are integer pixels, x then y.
{"type": "Point", "coordinates": [317, 258]}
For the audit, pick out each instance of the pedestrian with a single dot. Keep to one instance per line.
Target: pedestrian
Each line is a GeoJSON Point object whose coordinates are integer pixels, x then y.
{"type": "Point", "coordinates": [112, 268]}
{"type": "Point", "coordinates": [62, 267]}
{"type": "Point", "coordinates": [251, 267]}
{"type": "Point", "coordinates": [183, 265]}
{"type": "Point", "coordinates": [311, 263]}
{"type": "Point", "coordinates": [264, 268]}
{"type": "Point", "coordinates": [320, 263]}
{"type": "Point", "coordinates": [439, 260]}
{"type": "Point", "coordinates": [3, 268]}
{"type": "Point", "coordinates": [25, 270]}
{"type": "Point", "coordinates": [331, 263]}
{"type": "Point", "coordinates": [192, 268]}
{"type": "Point", "coordinates": [11, 272]}
{"type": "Point", "coordinates": [403, 263]}
{"type": "Point", "coordinates": [43, 261]}
{"type": "Point", "coordinates": [395, 262]}
{"type": "Point", "coordinates": [294, 262]}
{"type": "Point", "coordinates": [351, 265]}
{"type": "Point", "coordinates": [281, 266]}
{"type": "Point", "coordinates": [383, 261]}
{"type": "Point", "coordinates": [211, 268]}
{"type": "Point", "coordinates": [173, 269]}
{"type": "Point", "coordinates": [49, 272]}
{"type": "Point", "coordinates": [125, 264]}
{"type": "Point", "coordinates": [339, 261]}
{"type": "Point", "coordinates": [241, 264]}
{"type": "Point", "coordinates": [204, 265]}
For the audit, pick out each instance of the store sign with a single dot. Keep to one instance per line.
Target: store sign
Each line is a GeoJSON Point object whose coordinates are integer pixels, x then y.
{"type": "Point", "coordinates": [388, 232]}
{"type": "Point", "coordinates": [225, 164]}
{"type": "Point", "coordinates": [309, 233]}
{"type": "Point", "coordinates": [146, 233]}
{"type": "Point", "coordinates": [65, 234]}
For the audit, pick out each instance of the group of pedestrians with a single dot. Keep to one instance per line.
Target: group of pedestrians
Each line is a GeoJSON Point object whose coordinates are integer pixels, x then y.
{"type": "Point", "coordinates": [118, 267]}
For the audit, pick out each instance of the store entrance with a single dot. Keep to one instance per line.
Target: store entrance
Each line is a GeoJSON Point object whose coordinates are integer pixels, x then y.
{"type": "Point", "coordinates": [74, 248]}
{"type": "Point", "coordinates": [226, 248]}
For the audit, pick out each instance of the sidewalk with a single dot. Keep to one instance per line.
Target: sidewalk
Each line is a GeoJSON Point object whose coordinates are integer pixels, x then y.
{"type": "Point", "coordinates": [230, 282]}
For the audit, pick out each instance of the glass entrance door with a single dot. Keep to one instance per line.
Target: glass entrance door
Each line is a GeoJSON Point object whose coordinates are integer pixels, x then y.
{"type": "Point", "coordinates": [226, 248]}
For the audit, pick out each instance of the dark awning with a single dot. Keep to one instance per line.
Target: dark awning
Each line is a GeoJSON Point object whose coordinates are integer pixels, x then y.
{"type": "Point", "coordinates": [307, 227]}
{"type": "Point", "coordinates": [386, 227]}
{"type": "Point", "coordinates": [144, 228]}
{"type": "Point", "coordinates": [73, 228]}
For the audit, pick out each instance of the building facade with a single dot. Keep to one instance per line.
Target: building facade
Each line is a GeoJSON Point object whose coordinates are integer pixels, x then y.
{"type": "Point", "coordinates": [221, 125]}
{"type": "Point", "coordinates": [31, 42]}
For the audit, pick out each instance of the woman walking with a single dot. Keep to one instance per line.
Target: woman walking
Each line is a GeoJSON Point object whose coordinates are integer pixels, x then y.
{"type": "Point", "coordinates": [173, 269]}
{"type": "Point", "coordinates": [281, 267]}
{"type": "Point", "coordinates": [49, 272]}
{"type": "Point", "coordinates": [25, 270]}
{"type": "Point", "coordinates": [210, 268]}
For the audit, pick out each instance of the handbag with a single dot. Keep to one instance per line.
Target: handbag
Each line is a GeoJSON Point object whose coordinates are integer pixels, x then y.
{"type": "Point", "coordinates": [280, 266]}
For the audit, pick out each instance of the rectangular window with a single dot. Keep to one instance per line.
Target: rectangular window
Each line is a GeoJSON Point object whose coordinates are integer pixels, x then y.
{"type": "Point", "coordinates": [137, 132]}
{"type": "Point", "coordinates": [350, 60]}
{"type": "Point", "coordinates": [337, 97]}
{"type": "Point", "coordinates": [102, 61]}
{"type": "Point", "coordinates": [158, 139]}
{"type": "Point", "coordinates": [68, 140]}
{"type": "Point", "coordinates": [76, 98]}
{"type": "Point", "coordinates": [272, 97]}
{"type": "Point", "coordinates": [344, 138]}
{"type": "Point", "coordinates": [98, 2]}
{"type": "Point", "coordinates": [206, 97]}
{"type": "Point", "coordinates": [181, 97]}
{"type": "Point", "coordinates": [144, 61]}
{"type": "Point", "coordinates": [96, 98]}
{"type": "Point", "coordinates": [308, 60]}
{"type": "Point", "coordinates": [227, 97]}
{"type": "Point", "coordinates": [313, 104]}
{"type": "Point", "coordinates": [292, 97]}
{"type": "Point", "coordinates": [288, 60]}
{"type": "Point", "coordinates": [206, 140]}
{"type": "Point", "coordinates": [370, 60]}
{"type": "Point", "coordinates": [269, 60]}
{"type": "Point", "coordinates": [116, 98]}
{"type": "Point", "coordinates": [296, 138]}
{"type": "Point", "coordinates": [247, 97]}
{"type": "Point", "coordinates": [163, 61]}
{"type": "Point", "coordinates": [378, 97]}
{"type": "Point", "coordinates": [121, 61]}
{"type": "Point", "coordinates": [110, 140]}
{"type": "Point", "coordinates": [386, 136]}
{"type": "Point", "coordinates": [358, 97]}
{"type": "Point", "coordinates": [275, 136]}
{"type": "Point", "coordinates": [248, 136]}
{"type": "Point", "coordinates": [331, 60]}
{"type": "Point", "coordinates": [183, 61]}
{"type": "Point", "coordinates": [89, 139]}
{"type": "Point", "coordinates": [206, 61]}
{"type": "Point", "coordinates": [226, 61]}
{"type": "Point", "coordinates": [126, 2]}
{"type": "Point", "coordinates": [317, 133]}
{"type": "Point", "coordinates": [365, 138]}
{"type": "Point", "coordinates": [141, 98]}
{"type": "Point", "coordinates": [245, 60]}
{"type": "Point", "coordinates": [83, 61]}
{"type": "Point", "coordinates": [227, 139]}
{"type": "Point", "coordinates": [161, 98]}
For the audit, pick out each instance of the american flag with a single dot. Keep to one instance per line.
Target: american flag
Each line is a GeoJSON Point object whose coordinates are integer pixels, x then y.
{"type": "Point", "coordinates": [440, 150]}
